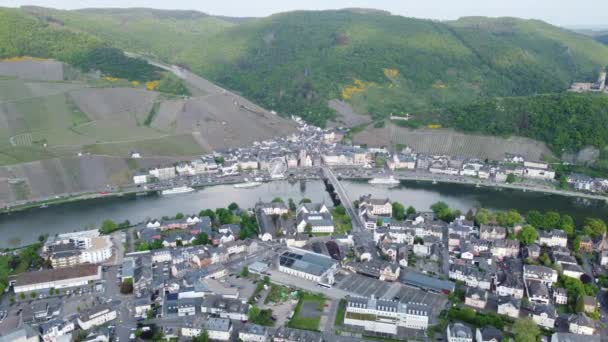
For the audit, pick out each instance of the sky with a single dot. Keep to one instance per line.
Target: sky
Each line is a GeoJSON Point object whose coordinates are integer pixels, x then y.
{"type": "Point", "coordinates": [567, 13]}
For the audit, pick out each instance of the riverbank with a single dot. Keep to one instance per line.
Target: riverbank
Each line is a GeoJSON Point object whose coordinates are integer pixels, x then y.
{"type": "Point", "coordinates": [400, 175]}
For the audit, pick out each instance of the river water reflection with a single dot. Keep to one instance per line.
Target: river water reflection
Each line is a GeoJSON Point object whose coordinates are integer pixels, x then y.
{"type": "Point", "coordinates": [24, 227]}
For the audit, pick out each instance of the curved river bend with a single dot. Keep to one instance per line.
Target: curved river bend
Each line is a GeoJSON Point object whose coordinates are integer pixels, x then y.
{"type": "Point", "coordinates": [24, 227]}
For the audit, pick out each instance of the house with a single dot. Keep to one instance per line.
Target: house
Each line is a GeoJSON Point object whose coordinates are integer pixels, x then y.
{"type": "Point", "coordinates": [511, 285]}
{"type": "Point", "coordinates": [54, 330]}
{"type": "Point", "coordinates": [560, 296]}
{"type": "Point", "coordinates": [538, 292]}
{"type": "Point", "coordinates": [581, 324]}
{"type": "Point", "coordinates": [476, 298]}
{"type": "Point", "coordinates": [284, 334]}
{"type": "Point", "coordinates": [553, 238]}
{"type": "Point", "coordinates": [253, 333]}
{"type": "Point", "coordinates": [315, 222]}
{"type": "Point", "coordinates": [604, 258]}
{"type": "Point", "coordinates": [509, 306]}
{"type": "Point", "coordinates": [163, 173]}
{"type": "Point", "coordinates": [532, 251]}
{"type": "Point", "coordinates": [491, 232]}
{"type": "Point", "coordinates": [96, 316]}
{"type": "Point", "coordinates": [404, 161]}
{"type": "Point", "coordinates": [219, 329]}
{"type": "Point", "coordinates": [540, 273]}
{"type": "Point", "coordinates": [488, 334]}
{"type": "Point", "coordinates": [570, 337]}
{"type": "Point", "coordinates": [374, 206]}
{"type": "Point", "coordinates": [458, 332]}
{"type": "Point", "coordinates": [586, 244]}
{"type": "Point", "coordinates": [544, 315]}
{"type": "Point", "coordinates": [589, 304]}
{"type": "Point", "coordinates": [140, 179]}
{"type": "Point", "coordinates": [218, 305]}
{"type": "Point", "coordinates": [572, 271]}
{"type": "Point", "coordinates": [505, 248]}
{"type": "Point", "coordinates": [274, 208]}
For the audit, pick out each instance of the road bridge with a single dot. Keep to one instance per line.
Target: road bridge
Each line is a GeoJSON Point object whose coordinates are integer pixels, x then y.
{"type": "Point", "coordinates": [361, 235]}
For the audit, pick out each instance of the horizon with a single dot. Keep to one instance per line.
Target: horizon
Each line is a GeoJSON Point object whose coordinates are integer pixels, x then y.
{"type": "Point", "coordinates": [586, 15]}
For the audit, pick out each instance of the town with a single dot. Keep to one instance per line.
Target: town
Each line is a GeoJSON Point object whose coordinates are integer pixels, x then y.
{"type": "Point", "coordinates": [302, 155]}
{"type": "Point", "coordinates": [293, 270]}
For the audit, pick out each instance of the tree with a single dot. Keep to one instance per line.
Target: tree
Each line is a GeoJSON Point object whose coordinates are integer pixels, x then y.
{"type": "Point", "coordinates": [219, 160]}
{"type": "Point", "coordinates": [551, 220]}
{"type": "Point", "coordinates": [410, 210]}
{"type": "Point", "coordinates": [292, 205]}
{"type": "Point", "coordinates": [398, 211]}
{"type": "Point", "coordinates": [308, 228]}
{"type": "Point", "coordinates": [535, 218]}
{"type": "Point", "coordinates": [261, 317]}
{"type": "Point", "coordinates": [594, 227]}
{"type": "Point", "coordinates": [245, 272]}
{"type": "Point", "coordinates": [511, 178]}
{"type": "Point", "coordinates": [563, 182]}
{"type": "Point", "coordinates": [525, 330]}
{"type": "Point", "coordinates": [277, 200]}
{"type": "Point", "coordinates": [202, 337]}
{"type": "Point", "coordinates": [576, 244]}
{"type": "Point", "coordinates": [108, 226]}
{"type": "Point", "coordinates": [527, 235]}
{"type": "Point", "coordinates": [233, 206]}
{"type": "Point", "coordinates": [208, 213]}
{"type": "Point", "coordinates": [567, 225]}
{"type": "Point", "coordinates": [201, 239]}
{"type": "Point", "coordinates": [127, 286]}
{"type": "Point", "coordinates": [179, 216]}
{"type": "Point", "coordinates": [443, 211]}
{"type": "Point", "coordinates": [305, 200]}
{"type": "Point", "coordinates": [483, 216]}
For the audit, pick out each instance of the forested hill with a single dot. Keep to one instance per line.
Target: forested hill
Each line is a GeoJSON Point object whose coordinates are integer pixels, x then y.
{"type": "Point", "coordinates": [23, 35]}
{"type": "Point", "coordinates": [567, 122]}
{"type": "Point", "coordinates": [295, 62]}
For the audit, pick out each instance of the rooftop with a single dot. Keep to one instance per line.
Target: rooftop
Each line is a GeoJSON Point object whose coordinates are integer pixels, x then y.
{"type": "Point", "coordinates": [311, 263]}
{"type": "Point", "coordinates": [50, 275]}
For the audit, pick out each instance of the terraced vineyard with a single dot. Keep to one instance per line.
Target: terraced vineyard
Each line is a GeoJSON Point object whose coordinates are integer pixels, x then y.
{"type": "Point", "coordinates": [445, 141]}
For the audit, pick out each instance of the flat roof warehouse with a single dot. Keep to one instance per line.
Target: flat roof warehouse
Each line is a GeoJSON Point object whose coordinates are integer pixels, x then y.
{"type": "Point", "coordinates": [58, 278]}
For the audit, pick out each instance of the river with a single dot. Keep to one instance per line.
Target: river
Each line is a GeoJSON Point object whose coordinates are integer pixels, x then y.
{"type": "Point", "coordinates": [24, 227]}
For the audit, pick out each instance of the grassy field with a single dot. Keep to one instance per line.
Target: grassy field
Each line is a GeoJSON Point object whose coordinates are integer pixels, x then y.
{"type": "Point", "coordinates": [308, 312]}
{"type": "Point", "coordinates": [339, 320]}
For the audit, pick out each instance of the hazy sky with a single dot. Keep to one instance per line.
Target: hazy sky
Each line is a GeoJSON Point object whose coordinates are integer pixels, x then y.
{"type": "Point", "coordinates": [579, 13]}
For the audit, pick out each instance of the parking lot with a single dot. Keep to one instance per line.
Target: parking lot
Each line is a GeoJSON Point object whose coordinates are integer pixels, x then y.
{"type": "Point", "coordinates": [366, 287]}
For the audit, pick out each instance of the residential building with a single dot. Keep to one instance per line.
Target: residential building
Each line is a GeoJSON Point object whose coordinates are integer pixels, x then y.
{"type": "Point", "coordinates": [316, 222]}
{"type": "Point", "coordinates": [284, 334]}
{"type": "Point", "coordinates": [458, 332]}
{"type": "Point", "coordinates": [96, 316]}
{"type": "Point", "coordinates": [509, 306]}
{"type": "Point", "coordinates": [253, 333]}
{"type": "Point", "coordinates": [570, 337]}
{"type": "Point", "coordinates": [544, 315]}
{"type": "Point", "coordinates": [225, 307]}
{"type": "Point", "coordinates": [560, 296]}
{"type": "Point", "coordinates": [553, 238]}
{"type": "Point", "coordinates": [491, 232]}
{"type": "Point", "coordinates": [488, 334]}
{"type": "Point", "coordinates": [375, 206]}
{"type": "Point", "coordinates": [540, 273]}
{"type": "Point", "coordinates": [476, 298]}
{"type": "Point", "coordinates": [581, 324]}
{"type": "Point", "coordinates": [589, 304]}
{"type": "Point", "coordinates": [219, 329]}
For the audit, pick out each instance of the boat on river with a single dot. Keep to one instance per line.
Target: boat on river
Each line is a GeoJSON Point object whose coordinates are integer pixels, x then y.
{"type": "Point", "coordinates": [384, 181]}
{"type": "Point", "coordinates": [247, 185]}
{"type": "Point", "coordinates": [177, 190]}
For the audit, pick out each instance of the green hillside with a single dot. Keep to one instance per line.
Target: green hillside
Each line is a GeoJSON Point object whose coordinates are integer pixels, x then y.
{"type": "Point", "coordinates": [161, 33]}
{"type": "Point", "coordinates": [23, 35]}
{"type": "Point", "coordinates": [567, 121]}
{"type": "Point", "coordinates": [382, 64]}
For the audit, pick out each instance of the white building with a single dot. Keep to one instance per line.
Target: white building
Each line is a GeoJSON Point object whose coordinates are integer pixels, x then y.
{"type": "Point", "coordinates": [96, 316]}
{"type": "Point", "coordinates": [581, 324]}
{"type": "Point", "coordinates": [253, 333]}
{"type": "Point", "coordinates": [57, 278]}
{"type": "Point", "coordinates": [140, 179]}
{"type": "Point", "coordinates": [375, 206]}
{"type": "Point", "coordinates": [219, 329]}
{"type": "Point", "coordinates": [458, 332]}
{"type": "Point", "coordinates": [543, 274]}
{"type": "Point", "coordinates": [385, 316]}
{"type": "Point", "coordinates": [318, 222]}
{"type": "Point", "coordinates": [163, 173]}
{"type": "Point", "coordinates": [553, 238]}
{"type": "Point", "coordinates": [508, 306]}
